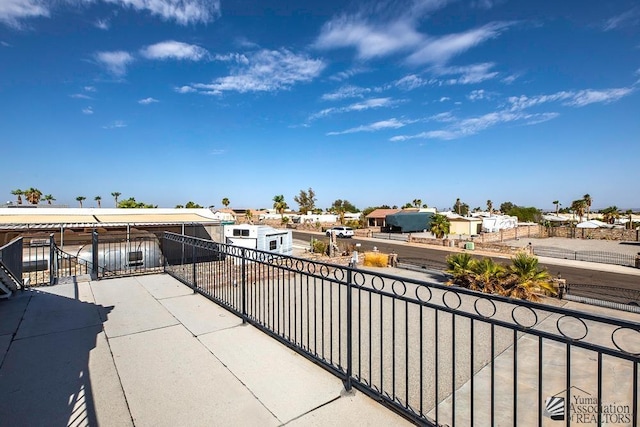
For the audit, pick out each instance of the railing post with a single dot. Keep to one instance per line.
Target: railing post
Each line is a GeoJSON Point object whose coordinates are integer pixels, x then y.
{"type": "Point", "coordinates": [243, 284]}
{"type": "Point", "coordinates": [94, 255]}
{"type": "Point", "coordinates": [52, 260]}
{"type": "Point", "coordinates": [347, 383]}
{"type": "Point", "coordinates": [193, 263]}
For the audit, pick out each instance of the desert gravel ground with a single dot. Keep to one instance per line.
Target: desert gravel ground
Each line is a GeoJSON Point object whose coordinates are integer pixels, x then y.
{"type": "Point", "coordinates": [631, 248]}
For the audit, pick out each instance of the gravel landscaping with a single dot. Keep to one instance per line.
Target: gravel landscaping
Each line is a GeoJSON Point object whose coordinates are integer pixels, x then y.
{"type": "Point", "coordinates": [630, 248]}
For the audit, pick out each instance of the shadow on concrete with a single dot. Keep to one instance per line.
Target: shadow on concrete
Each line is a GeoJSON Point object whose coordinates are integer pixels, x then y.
{"type": "Point", "coordinates": [44, 371]}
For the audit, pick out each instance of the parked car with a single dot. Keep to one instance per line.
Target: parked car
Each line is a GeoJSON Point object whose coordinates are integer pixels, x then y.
{"type": "Point", "coordinates": [341, 231]}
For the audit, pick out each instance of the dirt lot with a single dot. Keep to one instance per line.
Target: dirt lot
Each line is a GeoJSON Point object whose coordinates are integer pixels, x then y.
{"type": "Point", "coordinates": [630, 248]}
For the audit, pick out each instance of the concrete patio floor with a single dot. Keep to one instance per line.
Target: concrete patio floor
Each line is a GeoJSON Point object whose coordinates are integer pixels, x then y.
{"type": "Point", "coordinates": [146, 351]}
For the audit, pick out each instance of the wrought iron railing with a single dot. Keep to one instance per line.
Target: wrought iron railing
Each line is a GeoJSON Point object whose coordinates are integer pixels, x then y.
{"type": "Point", "coordinates": [591, 256]}
{"type": "Point", "coordinates": [11, 259]}
{"type": "Point", "coordinates": [440, 355]}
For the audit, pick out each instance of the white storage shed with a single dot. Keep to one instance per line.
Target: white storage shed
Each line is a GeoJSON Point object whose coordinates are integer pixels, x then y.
{"type": "Point", "coordinates": [261, 237]}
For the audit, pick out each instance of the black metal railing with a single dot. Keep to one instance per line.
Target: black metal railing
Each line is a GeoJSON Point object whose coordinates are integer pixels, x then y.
{"type": "Point", "coordinates": [11, 259]}
{"type": "Point", "coordinates": [591, 256]}
{"type": "Point", "coordinates": [440, 355]}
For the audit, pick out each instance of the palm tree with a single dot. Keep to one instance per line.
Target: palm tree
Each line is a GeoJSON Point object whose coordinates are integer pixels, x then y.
{"type": "Point", "coordinates": [279, 204]}
{"type": "Point", "coordinates": [527, 278]}
{"type": "Point", "coordinates": [557, 203]}
{"type": "Point", "coordinates": [225, 202]}
{"type": "Point", "coordinates": [249, 216]}
{"type": "Point", "coordinates": [458, 205]}
{"type": "Point", "coordinates": [417, 202]}
{"type": "Point", "coordinates": [610, 214]}
{"type": "Point", "coordinates": [80, 199]}
{"type": "Point", "coordinates": [115, 195]}
{"type": "Point", "coordinates": [98, 199]}
{"type": "Point", "coordinates": [460, 267]}
{"type": "Point", "coordinates": [587, 202]}
{"type": "Point", "coordinates": [33, 195]}
{"type": "Point", "coordinates": [440, 226]}
{"type": "Point", "coordinates": [490, 206]}
{"type": "Point", "coordinates": [19, 194]}
{"type": "Point", "coordinates": [49, 198]}
{"type": "Point", "coordinates": [578, 207]}
{"type": "Point", "coordinates": [487, 276]}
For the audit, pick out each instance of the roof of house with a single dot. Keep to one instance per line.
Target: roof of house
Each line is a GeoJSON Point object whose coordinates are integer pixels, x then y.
{"type": "Point", "coordinates": [91, 217]}
{"type": "Point", "coordinates": [382, 213]}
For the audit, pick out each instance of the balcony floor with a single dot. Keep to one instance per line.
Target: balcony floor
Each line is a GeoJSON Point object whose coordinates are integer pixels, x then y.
{"type": "Point", "coordinates": [146, 351]}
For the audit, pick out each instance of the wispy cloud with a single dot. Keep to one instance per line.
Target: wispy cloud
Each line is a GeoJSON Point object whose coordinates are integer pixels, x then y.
{"type": "Point", "coordinates": [265, 71]}
{"type": "Point", "coordinates": [626, 19]}
{"type": "Point", "coordinates": [410, 82]}
{"type": "Point", "coordinates": [80, 96]}
{"type": "Point", "coordinates": [89, 88]}
{"type": "Point", "coordinates": [12, 12]}
{"type": "Point", "coordinates": [115, 62]}
{"type": "Point", "coordinates": [571, 98]}
{"type": "Point", "coordinates": [439, 50]}
{"type": "Point", "coordinates": [88, 110]}
{"type": "Point", "coordinates": [471, 126]}
{"type": "Point", "coordinates": [5, 44]}
{"type": "Point", "coordinates": [172, 49]}
{"type": "Point", "coordinates": [347, 74]}
{"type": "Point", "coordinates": [102, 24]}
{"type": "Point", "coordinates": [147, 101]}
{"type": "Point", "coordinates": [466, 74]}
{"type": "Point", "coordinates": [374, 127]}
{"type": "Point", "coordinates": [346, 92]}
{"type": "Point", "coordinates": [358, 106]}
{"type": "Point", "coordinates": [115, 125]}
{"type": "Point", "coordinates": [477, 95]}
{"type": "Point", "coordinates": [184, 12]}
{"type": "Point", "coordinates": [184, 89]}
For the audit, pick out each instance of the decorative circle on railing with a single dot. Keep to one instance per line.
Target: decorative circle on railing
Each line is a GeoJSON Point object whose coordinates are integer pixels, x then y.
{"type": "Point", "coordinates": [311, 267]}
{"type": "Point", "coordinates": [338, 274]}
{"type": "Point", "coordinates": [528, 320]}
{"type": "Point", "coordinates": [572, 329]}
{"type": "Point", "coordinates": [420, 290]}
{"type": "Point", "coordinates": [299, 265]}
{"type": "Point", "coordinates": [324, 271]}
{"type": "Point", "coordinates": [262, 257]}
{"type": "Point", "coordinates": [627, 337]}
{"type": "Point", "coordinates": [359, 279]}
{"type": "Point", "coordinates": [377, 281]}
{"type": "Point", "coordinates": [395, 291]}
{"type": "Point", "coordinates": [444, 300]}
{"type": "Point", "coordinates": [288, 262]}
{"type": "Point", "coordinates": [490, 307]}
{"type": "Point", "coordinates": [234, 251]}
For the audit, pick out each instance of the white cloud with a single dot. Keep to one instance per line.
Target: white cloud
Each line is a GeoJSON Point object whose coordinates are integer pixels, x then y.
{"type": "Point", "coordinates": [358, 106]}
{"type": "Point", "coordinates": [438, 50]}
{"type": "Point", "coordinates": [185, 89]}
{"type": "Point", "coordinates": [477, 95]}
{"type": "Point", "coordinates": [474, 125]}
{"type": "Point", "coordinates": [89, 89]}
{"type": "Point", "coordinates": [346, 92]}
{"type": "Point", "coordinates": [80, 96]}
{"type": "Point", "coordinates": [232, 57]}
{"type": "Point", "coordinates": [88, 110]}
{"type": "Point", "coordinates": [571, 98]}
{"type": "Point", "coordinates": [14, 11]}
{"type": "Point", "coordinates": [102, 24]}
{"type": "Point", "coordinates": [466, 74]}
{"type": "Point", "coordinates": [369, 40]}
{"type": "Point", "coordinates": [410, 82]}
{"type": "Point", "coordinates": [5, 44]}
{"type": "Point", "coordinates": [444, 99]}
{"type": "Point", "coordinates": [373, 127]}
{"type": "Point", "coordinates": [184, 12]}
{"type": "Point", "coordinates": [115, 62]}
{"type": "Point", "coordinates": [115, 125]}
{"type": "Point", "coordinates": [181, 11]}
{"type": "Point", "coordinates": [347, 74]}
{"type": "Point", "coordinates": [266, 71]}
{"type": "Point", "coordinates": [629, 18]}
{"type": "Point", "coordinates": [147, 101]}
{"type": "Point", "coordinates": [172, 49]}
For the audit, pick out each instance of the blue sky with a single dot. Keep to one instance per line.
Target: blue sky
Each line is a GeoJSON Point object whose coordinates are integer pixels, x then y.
{"type": "Point", "coordinates": [373, 102]}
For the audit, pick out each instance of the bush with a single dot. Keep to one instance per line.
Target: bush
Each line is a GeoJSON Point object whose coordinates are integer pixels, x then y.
{"type": "Point", "coordinates": [375, 259]}
{"type": "Point", "coordinates": [318, 247]}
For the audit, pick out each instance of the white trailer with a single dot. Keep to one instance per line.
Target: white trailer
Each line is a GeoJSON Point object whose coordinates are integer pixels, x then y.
{"type": "Point", "coordinates": [261, 237]}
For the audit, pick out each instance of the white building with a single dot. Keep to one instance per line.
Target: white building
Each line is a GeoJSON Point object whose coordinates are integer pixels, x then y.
{"type": "Point", "coordinates": [261, 237]}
